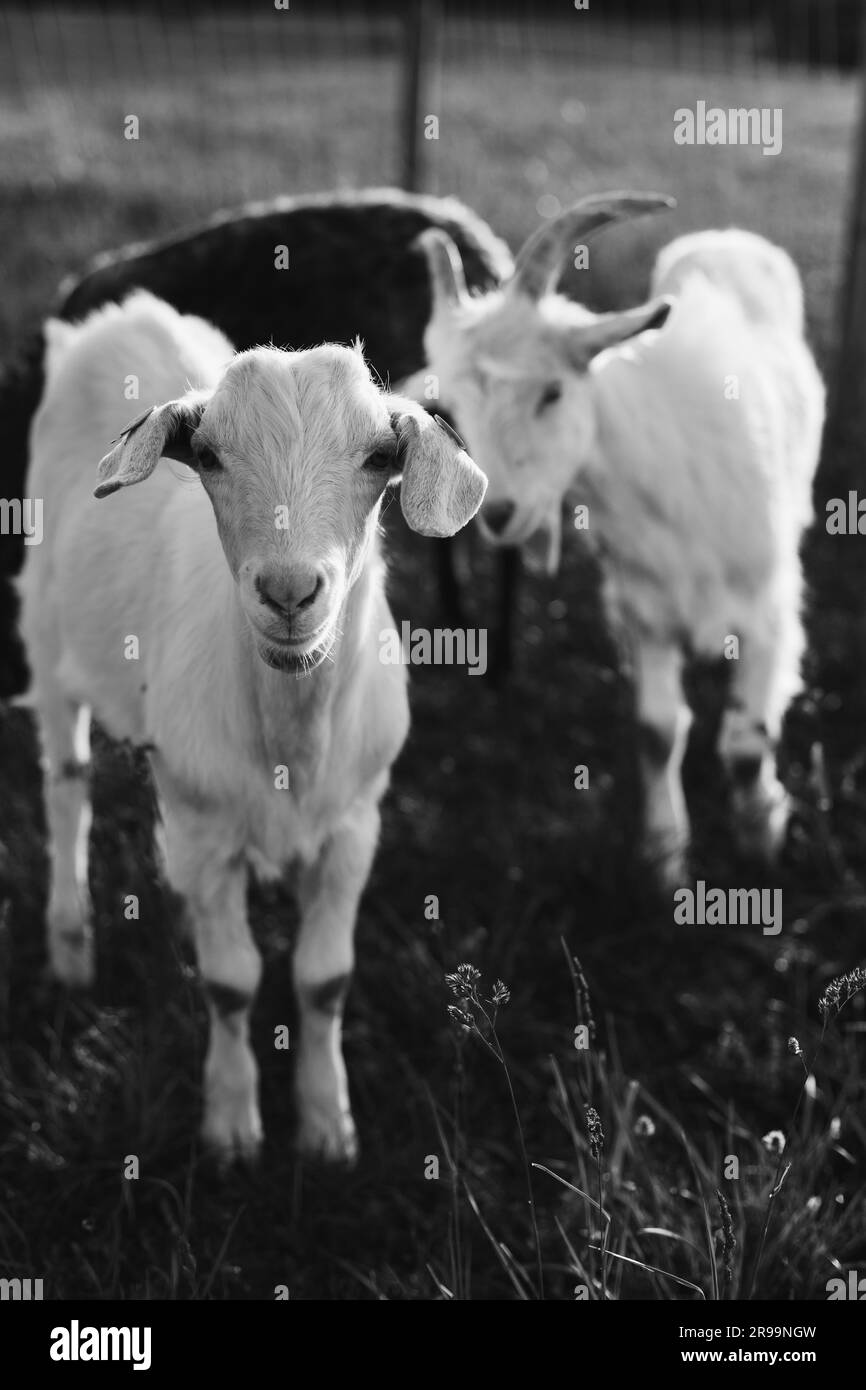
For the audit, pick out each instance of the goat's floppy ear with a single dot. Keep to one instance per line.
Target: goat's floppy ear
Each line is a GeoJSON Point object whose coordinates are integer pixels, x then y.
{"type": "Point", "coordinates": [585, 341]}
{"type": "Point", "coordinates": [441, 487]}
{"type": "Point", "coordinates": [164, 431]}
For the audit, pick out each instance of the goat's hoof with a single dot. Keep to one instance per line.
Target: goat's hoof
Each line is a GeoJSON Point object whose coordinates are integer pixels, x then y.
{"type": "Point", "coordinates": [71, 956]}
{"type": "Point", "coordinates": [233, 1136]}
{"type": "Point", "coordinates": [328, 1138]}
{"type": "Point", "coordinates": [761, 826]}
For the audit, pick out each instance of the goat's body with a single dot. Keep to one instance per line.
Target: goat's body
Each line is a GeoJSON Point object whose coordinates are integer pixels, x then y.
{"type": "Point", "coordinates": [700, 533]}
{"type": "Point", "coordinates": [253, 766]}
{"type": "Point", "coordinates": [217, 718]}
{"type": "Point", "coordinates": [746, 267]}
{"type": "Point", "coordinates": [708, 437]}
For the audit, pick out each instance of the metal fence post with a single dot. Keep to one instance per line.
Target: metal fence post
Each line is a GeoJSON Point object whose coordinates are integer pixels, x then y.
{"type": "Point", "coordinates": [421, 50]}
{"type": "Point", "coordinates": [850, 366]}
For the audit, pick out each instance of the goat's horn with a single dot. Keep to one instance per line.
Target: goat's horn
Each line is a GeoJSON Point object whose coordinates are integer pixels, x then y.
{"type": "Point", "coordinates": [541, 258]}
{"type": "Point", "coordinates": [445, 266]}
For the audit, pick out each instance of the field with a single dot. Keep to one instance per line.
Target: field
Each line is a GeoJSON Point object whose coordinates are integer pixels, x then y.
{"type": "Point", "coordinates": [690, 1062]}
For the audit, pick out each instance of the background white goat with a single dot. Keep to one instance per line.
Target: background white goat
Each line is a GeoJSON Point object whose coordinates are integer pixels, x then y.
{"type": "Point", "coordinates": [231, 625]}
{"type": "Point", "coordinates": [694, 449]}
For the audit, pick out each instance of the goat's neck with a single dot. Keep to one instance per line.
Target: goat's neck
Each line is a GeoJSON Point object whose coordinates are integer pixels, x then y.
{"type": "Point", "coordinates": [295, 714]}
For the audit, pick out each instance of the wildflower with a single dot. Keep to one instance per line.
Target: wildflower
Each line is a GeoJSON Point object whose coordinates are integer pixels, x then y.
{"type": "Point", "coordinates": [465, 1020]}
{"type": "Point", "coordinates": [835, 1127]}
{"type": "Point", "coordinates": [644, 1127]}
{"type": "Point", "coordinates": [813, 1205]}
{"type": "Point", "coordinates": [463, 981]}
{"type": "Point", "coordinates": [839, 991]}
{"type": "Point", "coordinates": [774, 1142]}
{"type": "Point", "coordinates": [794, 1047]}
{"type": "Point", "coordinates": [501, 994]}
{"type": "Point", "coordinates": [595, 1131]}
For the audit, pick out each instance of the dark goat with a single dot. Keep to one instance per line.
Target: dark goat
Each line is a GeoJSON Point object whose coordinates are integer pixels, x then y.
{"type": "Point", "coordinates": [353, 272]}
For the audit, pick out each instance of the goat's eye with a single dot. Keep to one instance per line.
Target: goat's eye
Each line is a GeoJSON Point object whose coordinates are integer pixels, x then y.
{"type": "Point", "coordinates": [380, 461]}
{"type": "Point", "coordinates": [206, 459]}
{"type": "Point", "coordinates": [549, 396]}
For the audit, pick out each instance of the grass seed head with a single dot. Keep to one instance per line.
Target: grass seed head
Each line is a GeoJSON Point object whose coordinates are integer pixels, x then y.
{"type": "Point", "coordinates": [839, 991]}
{"type": "Point", "coordinates": [463, 981]}
{"type": "Point", "coordinates": [595, 1131]}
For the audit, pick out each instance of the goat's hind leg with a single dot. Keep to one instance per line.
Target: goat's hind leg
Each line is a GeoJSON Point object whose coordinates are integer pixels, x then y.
{"type": "Point", "coordinates": [664, 720]}
{"type": "Point", "coordinates": [764, 678]}
{"type": "Point", "coordinates": [65, 733]}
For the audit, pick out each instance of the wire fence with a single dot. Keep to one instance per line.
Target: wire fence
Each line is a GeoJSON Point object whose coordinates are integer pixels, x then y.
{"type": "Point", "coordinates": [46, 45]}
{"type": "Point", "coordinates": [250, 100]}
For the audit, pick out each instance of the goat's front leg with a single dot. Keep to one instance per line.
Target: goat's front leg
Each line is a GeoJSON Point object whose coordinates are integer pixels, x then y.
{"type": "Point", "coordinates": [664, 720]}
{"type": "Point", "coordinates": [213, 884]}
{"type": "Point", "coordinates": [66, 772]}
{"type": "Point", "coordinates": [765, 675]}
{"type": "Point", "coordinates": [329, 891]}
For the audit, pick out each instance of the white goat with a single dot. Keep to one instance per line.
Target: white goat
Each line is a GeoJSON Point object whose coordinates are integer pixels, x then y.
{"type": "Point", "coordinates": [182, 612]}
{"type": "Point", "coordinates": [694, 449]}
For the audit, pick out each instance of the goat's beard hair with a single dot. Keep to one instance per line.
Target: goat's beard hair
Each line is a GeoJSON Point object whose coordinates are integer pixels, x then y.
{"type": "Point", "coordinates": [535, 530]}
{"type": "Point", "coordinates": [296, 663]}
{"type": "Point", "coordinates": [541, 549]}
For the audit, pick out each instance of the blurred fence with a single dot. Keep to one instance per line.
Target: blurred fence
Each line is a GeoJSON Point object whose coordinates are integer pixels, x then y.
{"type": "Point", "coordinates": [46, 39]}
{"type": "Point", "coordinates": [52, 48]}
{"type": "Point", "coordinates": [400, 61]}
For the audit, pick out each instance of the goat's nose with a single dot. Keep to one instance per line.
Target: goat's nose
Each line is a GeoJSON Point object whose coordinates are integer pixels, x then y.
{"type": "Point", "coordinates": [497, 515]}
{"type": "Point", "coordinates": [289, 588]}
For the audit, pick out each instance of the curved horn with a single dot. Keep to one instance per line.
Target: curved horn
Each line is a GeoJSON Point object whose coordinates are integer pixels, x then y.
{"type": "Point", "coordinates": [540, 259]}
{"type": "Point", "coordinates": [446, 268]}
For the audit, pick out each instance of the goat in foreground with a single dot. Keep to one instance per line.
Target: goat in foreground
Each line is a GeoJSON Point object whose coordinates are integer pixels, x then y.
{"type": "Point", "coordinates": [230, 624]}
{"type": "Point", "coordinates": [355, 273]}
{"type": "Point", "coordinates": [693, 448]}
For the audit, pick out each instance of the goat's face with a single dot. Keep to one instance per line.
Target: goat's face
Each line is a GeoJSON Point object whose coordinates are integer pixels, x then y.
{"type": "Point", "coordinates": [514, 367]}
{"type": "Point", "coordinates": [295, 451]}
{"type": "Point", "coordinates": [507, 376]}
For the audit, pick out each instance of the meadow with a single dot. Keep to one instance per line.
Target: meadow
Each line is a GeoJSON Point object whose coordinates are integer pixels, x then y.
{"type": "Point", "coordinates": [689, 1060]}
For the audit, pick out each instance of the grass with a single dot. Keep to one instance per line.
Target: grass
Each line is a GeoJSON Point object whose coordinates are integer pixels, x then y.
{"type": "Point", "coordinates": [690, 1063]}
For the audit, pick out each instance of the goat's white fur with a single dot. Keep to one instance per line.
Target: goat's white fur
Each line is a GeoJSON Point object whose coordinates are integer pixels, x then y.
{"type": "Point", "coordinates": [150, 563]}
{"type": "Point", "coordinates": [694, 447]}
